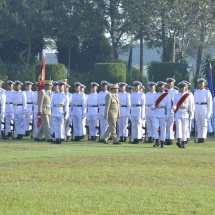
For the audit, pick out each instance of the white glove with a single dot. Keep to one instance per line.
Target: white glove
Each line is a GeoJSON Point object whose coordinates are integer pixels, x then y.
{"type": "Point", "coordinates": [152, 107]}
{"type": "Point", "coordinates": [48, 107]}
{"type": "Point", "coordinates": [2, 115]}
{"type": "Point", "coordinates": [65, 118]}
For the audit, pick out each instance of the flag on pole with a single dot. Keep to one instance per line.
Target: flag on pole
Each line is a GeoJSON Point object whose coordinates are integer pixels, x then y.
{"type": "Point", "coordinates": [130, 60]}
{"type": "Point", "coordinates": [210, 82]}
{"type": "Point", "coordinates": [41, 84]}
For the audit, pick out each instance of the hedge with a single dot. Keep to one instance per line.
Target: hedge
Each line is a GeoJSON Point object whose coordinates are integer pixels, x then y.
{"type": "Point", "coordinates": [160, 71]}
{"type": "Point", "coordinates": [111, 72]}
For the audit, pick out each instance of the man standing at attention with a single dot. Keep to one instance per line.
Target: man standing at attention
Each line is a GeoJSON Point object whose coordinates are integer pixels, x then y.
{"type": "Point", "coordinates": [112, 114]}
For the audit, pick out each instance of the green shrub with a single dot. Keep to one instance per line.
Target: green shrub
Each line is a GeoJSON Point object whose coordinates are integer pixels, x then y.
{"type": "Point", "coordinates": [111, 72]}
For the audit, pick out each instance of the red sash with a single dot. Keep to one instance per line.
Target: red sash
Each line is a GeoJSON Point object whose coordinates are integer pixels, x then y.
{"type": "Point", "coordinates": [182, 99]}
{"type": "Point", "coordinates": [160, 98]}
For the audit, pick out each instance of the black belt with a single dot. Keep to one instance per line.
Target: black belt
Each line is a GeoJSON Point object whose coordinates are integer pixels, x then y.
{"type": "Point", "coordinates": [92, 105]}
{"type": "Point", "coordinates": [77, 105]}
{"type": "Point", "coordinates": [102, 105]}
{"type": "Point", "coordinates": [18, 104]}
{"type": "Point", "coordinates": [201, 103]}
{"type": "Point", "coordinates": [136, 105]}
{"type": "Point", "coordinates": [123, 106]}
{"type": "Point", "coordinates": [8, 103]}
{"type": "Point", "coordinates": [29, 103]}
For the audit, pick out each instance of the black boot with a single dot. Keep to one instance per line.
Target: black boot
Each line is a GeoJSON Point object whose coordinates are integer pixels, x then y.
{"type": "Point", "coordinates": [179, 143]}
{"type": "Point", "coordinates": [170, 142]}
{"type": "Point", "coordinates": [92, 138]}
{"type": "Point", "coordinates": [199, 140]}
{"type": "Point", "coordinates": [183, 144]}
{"type": "Point", "coordinates": [167, 142]}
{"type": "Point", "coordinates": [203, 140]}
{"type": "Point", "coordinates": [135, 141]}
{"type": "Point", "coordinates": [9, 134]}
{"type": "Point", "coordinates": [156, 143]}
{"type": "Point", "coordinates": [3, 136]}
{"type": "Point", "coordinates": [27, 133]}
{"type": "Point", "coordinates": [121, 139]}
{"type": "Point", "coordinates": [125, 140]}
{"type": "Point", "coordinates": [162, 144]}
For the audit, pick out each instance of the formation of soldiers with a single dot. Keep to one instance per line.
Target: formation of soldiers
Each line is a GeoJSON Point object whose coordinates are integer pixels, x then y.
{"type": "Point", "coordinates": [163, 115]}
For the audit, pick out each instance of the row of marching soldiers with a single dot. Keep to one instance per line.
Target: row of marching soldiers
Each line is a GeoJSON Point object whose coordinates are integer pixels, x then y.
{"type": "Point", "coordinates": [163, 115]}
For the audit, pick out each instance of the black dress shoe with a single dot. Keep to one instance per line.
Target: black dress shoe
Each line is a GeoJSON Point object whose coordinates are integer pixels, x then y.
{"type": "Point", "coordinates": [125, 140]}
{"type": "Point", "coordinates": [156, 143]}
{"type": "Point", "coordinates": [117, 143]}
{"type": "Point", "coordinates": [162, 144]}
{"type": "Point", "coordinates": [37, 139]}
{"type": "Point", "coordinates": [167, 142]}
{"type": "Point", "coordinates": [203, 140]}
{"type": "Point", "coordinates": [182, 145]}
{"type": "Point", "coordinates": [104, 141]}
{"type": "Point", "coordinates": [49, 141]}
{"type": "Point", "coordinates": [199, 140]}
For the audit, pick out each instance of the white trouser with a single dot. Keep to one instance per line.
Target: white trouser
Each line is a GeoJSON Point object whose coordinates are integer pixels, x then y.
{"type": "Point", "coordinates": [77, 125]}
{"type": "Point", "coordinates": [149, 126]}
{"type": "Point", "coordinates": [68, 128]}
{"type": "Point", "coordinates": [92, 123]}
{"type": "Point", "coordinates": [181, 128]}
{"type": "Point", "coordinates": [169, 128]}
{"type": "Point", "coordinates": [210, 127]}
{"type": "Point", "coordinates": [9, 120]}
{"type": "Point", "coordinates": [52, 124]}
{"type": "Point", "coordinates": [136, 123]}
{"type": "Point", "coordinates": [160, 122]}
{"type": "Point", "coordinates": [19, 121]}
{"type": "Point", "coordinates": [58, 127]}
{"type": "Point", "coordinates": [35, 123]}
{"type": "Point", "coordinates": [123, 126]}
{"type": "Point", "coordinates": [189, 128]}
{"type": "Point", "coordinates": [103, 125]}
{"type": "Point", "coordinates": [143, 126]}
{"type": "Point", "coordinates": [83, 125]}
{"type": "Point", "coordinates": [202, 124]}
{"type": "Point", "coordinates": [28, 121]}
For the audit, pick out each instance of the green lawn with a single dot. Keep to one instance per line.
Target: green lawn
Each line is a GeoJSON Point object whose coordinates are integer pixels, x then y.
{"type": "Point", "coordinates": [92, 178]}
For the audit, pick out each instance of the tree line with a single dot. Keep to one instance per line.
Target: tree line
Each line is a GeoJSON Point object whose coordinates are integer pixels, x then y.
{"type": "Point", "coordinates": [90, 31]}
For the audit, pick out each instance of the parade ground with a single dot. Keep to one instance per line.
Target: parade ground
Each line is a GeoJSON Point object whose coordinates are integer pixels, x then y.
{"type": "Point", "coordinates": [93, 178]}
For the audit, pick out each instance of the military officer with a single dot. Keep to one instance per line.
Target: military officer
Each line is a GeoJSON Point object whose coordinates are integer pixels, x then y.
{"type": "Point", "coordinates": [170, 121]}
{"type": "Point", "coordinates": [137, 112]}
{"type": "Point", "coordinates": [101, 103]}
{"type": "Point", "coordinates": [112, 114]}
{"type": "Point", "coordinates": [19, 109]}
{"type": "Point", "coordinates": [78, 111]}
{"type": "Point", "coordinates": [125, 108]}
{"type": "Point", "coordinates": [92, 110]}
{"type": "Point", "coordinates": [150, 112]}
{"type": "Point", "coordinates": [2, 115]}
{"type": "Point", "coordinates": [60, 112]}
{"type": "Point", "coordinates": [44, 112]}
{"type": "Point", "coordinates": [29, 112]}
{"type": "Point", "coordinates": [184, 112]}
{"type": "Point", "coordinates": [162, 111]}
{"type": "Point", "coordinates": [203, 109]}
{"type": "Point", "coordinates": [35, 110]}
{"type": "Point", "coordinates": [9, 115]}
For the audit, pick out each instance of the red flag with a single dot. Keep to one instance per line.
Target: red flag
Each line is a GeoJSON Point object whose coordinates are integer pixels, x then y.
{"type": "Point", "coordinates": [41, 84]}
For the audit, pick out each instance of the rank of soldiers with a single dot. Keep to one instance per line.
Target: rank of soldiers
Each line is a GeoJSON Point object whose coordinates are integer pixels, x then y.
{"type": "Point", "coordinates": [164, 113]}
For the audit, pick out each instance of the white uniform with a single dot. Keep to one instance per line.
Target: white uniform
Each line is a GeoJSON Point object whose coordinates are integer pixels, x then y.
{"type": "Point", "coordinates": [9, 115]}
{"type": "Point", "coordinates": [85, 118]}
{"type": "Point", "coordinates": [150, 113]}
{"type": "Point", "coordinates": [19, 109]}
{"type": "Point", "coordinates": [29, 110]}
{"type": "Point", "coordinates": [161, 114]}
{"type": "Point", "coordinates": [52, 131]}
{"type": "Point", "coordinates": [69, 120]}
{"type": "Point", "coordinates": [170, 121]}
{"type": "Point", "coordinates": [184, 114]}
{"type": "Point", "coordinates": [125, 108]}
{"type": "Point", "coordinates": [137, 114]}
{"type": "Point", "coordinates": [35, 111]}
{"type": "Point", "coordinates": [60, 112]}
{"type": "Point", "coordinates": [203, 111]}
{"type": "Point", "coordinates": [78, 111]}
{"type": "Point", "coordinates": [92, 113]}
{"type": "Point", "coordinates": [2, 108]}
{"type": "Point", "coordinates": [103, 121]}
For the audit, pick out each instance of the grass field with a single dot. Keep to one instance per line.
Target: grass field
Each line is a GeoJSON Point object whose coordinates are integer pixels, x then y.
{"type": "Point", "coordinates": [92, 178]}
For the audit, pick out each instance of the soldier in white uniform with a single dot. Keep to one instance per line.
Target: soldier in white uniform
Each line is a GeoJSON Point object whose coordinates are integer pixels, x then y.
{"type": "Point", "coordinates": [1, 89]}
{"type": "Point", "coordinates": [29, 112]}
{"type": "Point", "coordinates": [137, 112]}
{"type": "Point", "coordinates": [184, 112]}
{"type": "Point", "coordinates": [9, 115]}
{"type": "Point", "coordinates": [125, 109]}
{"type": "Point", "coordinates": [203, 109]}
{"type": "Point", "coordinates": [162, 110]}
{"type": "Point", "coordinates": [170, 121]}
{"type": "Point", "coordinates": [2, 115]}
{"type": "Point", "coordinates": [101, 103]}
{"type": "Point", "coordinates": [150, 112]}
{"type": "Point", "coordinates": [83, 87]}
{"type": "Point", "coordinates": [60, 112]}
{"type": "Point", "coordinates": [78, 111]}
{"type": "Point", "coordinates": [68, 122]}
{"type": "Point", "coordinates": [92, 111]}
{"type": "Point", "coordinates": [55, 90]}
{"type": "Point", "coordinates": [35, 110]}
{"type": "Point", "coordinates": [19, 109]}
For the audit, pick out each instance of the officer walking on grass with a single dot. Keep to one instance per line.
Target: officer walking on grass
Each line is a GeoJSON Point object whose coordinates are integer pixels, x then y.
{"type": "Point", "coordinates": [112, 114]}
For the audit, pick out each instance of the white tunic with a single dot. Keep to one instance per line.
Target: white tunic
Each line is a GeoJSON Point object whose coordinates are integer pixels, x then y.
{"type": "Point", "coordinates": [29, 97]}
{"type": "Point", "coordinates": [150, 103]}
{"type": "Point", "coordinates": [101, 102]}
{"type": "Point", "coordinates": [35, 101]}
{"type": "Point", "coordinates": [125, 104]}
{"type": "Point", "coordinates": [138, 104]}
{"type": "Point", "coordinates": [78, 105]}
{"type": "Point", "coordinates": [2, 102]}
{"type": "Point", "coordinates": [19, 102]}
{"type": "Point", "coordinates": [92, 104]}
{"type": "Point", "coordinates": [9, 101]}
